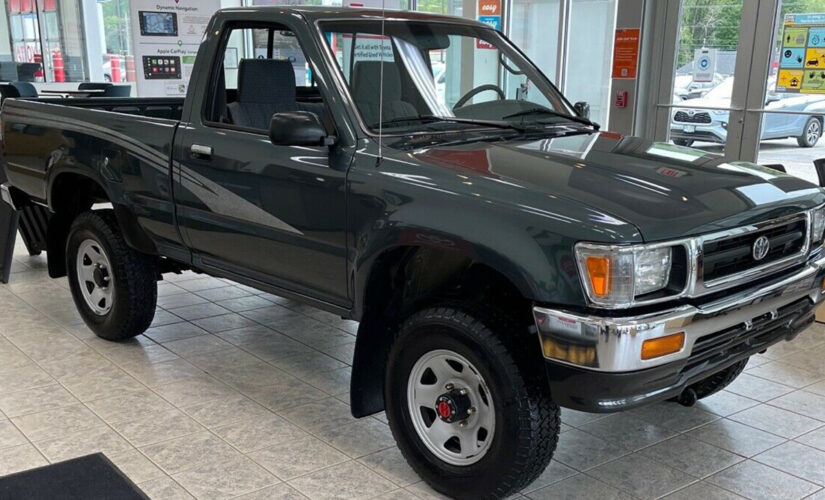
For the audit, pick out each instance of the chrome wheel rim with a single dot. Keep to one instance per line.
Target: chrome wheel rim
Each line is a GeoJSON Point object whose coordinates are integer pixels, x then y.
{"type": "Point", "coordinates": [94, 277]}
{"type": "Point", "coordinates": [813, 132]}
{"type": "Point", "coordinates": [443, 374]}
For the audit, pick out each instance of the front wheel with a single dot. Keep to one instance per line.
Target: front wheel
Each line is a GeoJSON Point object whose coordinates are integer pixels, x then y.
{"type": "Point", "coordinates": [810, 134]}
{"type": "Point", "coordinates": [468, 403]}
{"type": "Point", "coordinates": [114, 287]}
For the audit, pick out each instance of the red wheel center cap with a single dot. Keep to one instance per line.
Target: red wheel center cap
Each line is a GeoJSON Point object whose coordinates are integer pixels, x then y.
{"type": "Point", "coordinates": [444, 410]}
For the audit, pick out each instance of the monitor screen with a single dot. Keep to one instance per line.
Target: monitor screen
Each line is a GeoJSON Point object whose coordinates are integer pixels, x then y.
{"type": "Point", "coordinates": [158, 23]}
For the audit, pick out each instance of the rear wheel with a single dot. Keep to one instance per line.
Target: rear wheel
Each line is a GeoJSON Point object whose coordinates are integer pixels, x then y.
{"type": "Point", "coordinates": [683, 142]}
{"type": "Point", "coordinates": [113, 286]}
{"type": "Point", "coordinates": [468, 403]}
{"type": "Point", "coordinates": [810, 134]}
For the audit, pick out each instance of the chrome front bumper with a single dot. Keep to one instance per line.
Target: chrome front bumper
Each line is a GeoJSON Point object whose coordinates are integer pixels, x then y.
{"type": "Point", "coordinates": [607, 344]}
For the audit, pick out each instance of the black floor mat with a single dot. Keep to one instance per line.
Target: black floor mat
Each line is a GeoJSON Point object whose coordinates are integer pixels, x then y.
{"type": "Point", "coordinates": [88, 478]}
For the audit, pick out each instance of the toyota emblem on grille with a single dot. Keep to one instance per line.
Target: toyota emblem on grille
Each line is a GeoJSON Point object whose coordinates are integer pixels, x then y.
{"type": "Point", "coordinates": [761, 247]}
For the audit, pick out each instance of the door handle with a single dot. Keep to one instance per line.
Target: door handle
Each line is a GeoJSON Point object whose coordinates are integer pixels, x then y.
{"type": "Point", "coordinates": [201, 151]}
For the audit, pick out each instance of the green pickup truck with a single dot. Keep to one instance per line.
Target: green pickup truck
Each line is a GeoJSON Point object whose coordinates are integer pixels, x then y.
{"type": "Point", "coordinates": [504, 257]}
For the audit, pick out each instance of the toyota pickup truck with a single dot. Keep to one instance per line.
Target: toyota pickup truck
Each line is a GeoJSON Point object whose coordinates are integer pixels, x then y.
{"type": "Point", "coordinates": [503, 256]}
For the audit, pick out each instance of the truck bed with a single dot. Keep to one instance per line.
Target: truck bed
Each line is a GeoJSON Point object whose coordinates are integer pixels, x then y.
{"type": "Point", "coordinates": [157, 107]}
{"type": "Point", "coordinates": [124, 144]}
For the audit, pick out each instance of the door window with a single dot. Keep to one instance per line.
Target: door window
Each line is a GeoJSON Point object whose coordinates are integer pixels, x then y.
{"type": "Point", "coordinates": [262, 71]}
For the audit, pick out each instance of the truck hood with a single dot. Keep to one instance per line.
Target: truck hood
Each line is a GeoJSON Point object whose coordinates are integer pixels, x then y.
{"type": "Point", "coordinates": [666, 191]}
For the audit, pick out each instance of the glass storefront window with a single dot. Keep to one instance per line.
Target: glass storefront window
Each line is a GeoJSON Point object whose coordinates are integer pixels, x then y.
{"type": "Point", "coordinates": [703, 83]}
{"type": "Point", "coordinates": [792, 127]}
{"type": "Point", "coordinates": [534, 28]}
{"type": "Point", "coordinates": [47, 41]}
{"type": "Point", "coordinates": [589, 55]}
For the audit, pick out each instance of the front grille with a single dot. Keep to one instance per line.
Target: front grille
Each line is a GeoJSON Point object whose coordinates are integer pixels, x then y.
{"type": "Point", "coordinates": [764, 331]}
{"type": "Point", "coordinates": [734, 255]}
{"type": "Point", "coordinates": [685, 117]}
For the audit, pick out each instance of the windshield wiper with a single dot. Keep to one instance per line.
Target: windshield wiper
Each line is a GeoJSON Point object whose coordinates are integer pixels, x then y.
{"type": "Point", "coordinates": [545, 111]}
{"type": "Point", "coordinates": [448, 119]}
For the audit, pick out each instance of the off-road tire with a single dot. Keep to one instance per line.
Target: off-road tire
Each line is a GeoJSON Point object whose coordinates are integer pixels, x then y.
{"type": "Point", "coordinates": [527, 420]}
{"type": "Point", "coordinates": [134, 277]}
{"type": "Point", "coordinates": [718, 380]}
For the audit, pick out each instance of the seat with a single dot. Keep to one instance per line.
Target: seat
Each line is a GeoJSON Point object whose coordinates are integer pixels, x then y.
{"type": "Point", "coordinates": [265, 87]}
{"type": "Point", "coordinates": [94, 85]}
{"type": "Point", "coordinates": [118, 91]}
{"type": "Point", "coordinates": [366, 89]}
{"type": "Point", "coordinates": [7, 90]}
{"type": "Point", "coordinates": [25, 89]}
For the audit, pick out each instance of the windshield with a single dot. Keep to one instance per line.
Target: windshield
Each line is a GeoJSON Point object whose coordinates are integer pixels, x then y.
{"type": "Point", "coordinates": [439, 77]}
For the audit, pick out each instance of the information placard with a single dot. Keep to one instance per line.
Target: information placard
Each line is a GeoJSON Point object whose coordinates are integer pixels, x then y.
{"type": "Point", "coordinates": [802, 57]}
{"type": "Point", "coordinates": [626, 53]}
{"type": "Point", "coordinates": [166, 35]}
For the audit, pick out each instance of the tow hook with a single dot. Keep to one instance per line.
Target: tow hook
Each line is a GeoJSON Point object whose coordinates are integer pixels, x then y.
{"type": "Point", "coordinates": [687, 398]}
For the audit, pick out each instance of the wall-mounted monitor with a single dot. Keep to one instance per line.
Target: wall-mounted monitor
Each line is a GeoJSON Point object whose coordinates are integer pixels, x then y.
{"type": "Point", "coordinates": [158, 23]}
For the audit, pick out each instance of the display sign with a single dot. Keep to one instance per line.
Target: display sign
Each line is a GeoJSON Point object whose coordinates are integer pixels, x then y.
{"type": "Point", "coordinates": [704, 65]}
{"type": "Point", "coordinates": [626, 53]}
{"type": "Point", "coordinates": [489, 13]}
{"type": "Point", "coordinates": [166, 40]}
{"type": "Point", "coordinates": [802, 56]}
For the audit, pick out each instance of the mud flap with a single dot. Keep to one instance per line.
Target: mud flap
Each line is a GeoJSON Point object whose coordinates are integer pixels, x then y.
{"type": "Point", "coordinates": [8, 234]}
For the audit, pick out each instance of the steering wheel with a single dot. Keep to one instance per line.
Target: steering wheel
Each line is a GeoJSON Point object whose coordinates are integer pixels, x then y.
{"type": "Point", "coordinates": [481, 88]}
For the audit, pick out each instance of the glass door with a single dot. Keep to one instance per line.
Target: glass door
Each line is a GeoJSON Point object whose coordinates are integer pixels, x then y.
{"type": "Point", "coordinates": [703, 81]}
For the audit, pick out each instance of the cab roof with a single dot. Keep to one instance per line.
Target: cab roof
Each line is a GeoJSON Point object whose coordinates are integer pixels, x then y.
{"type": "Point", "coordinates": [321, 13]}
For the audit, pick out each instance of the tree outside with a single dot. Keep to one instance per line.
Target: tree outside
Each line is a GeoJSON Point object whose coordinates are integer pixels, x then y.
{"type": "Point", "coordinates": [116, 26]}
{"type": "Point", "coordinates": [715, 24]}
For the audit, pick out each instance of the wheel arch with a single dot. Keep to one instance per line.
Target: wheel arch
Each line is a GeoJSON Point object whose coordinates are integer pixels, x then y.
{"type": "Point", "coordinates": [72, 192]}
{"type": "Point", "coordinates": [406, 278]}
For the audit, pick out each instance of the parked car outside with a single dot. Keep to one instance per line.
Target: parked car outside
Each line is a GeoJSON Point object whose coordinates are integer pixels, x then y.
{"type": "Point", "coordinates": [711, 125]}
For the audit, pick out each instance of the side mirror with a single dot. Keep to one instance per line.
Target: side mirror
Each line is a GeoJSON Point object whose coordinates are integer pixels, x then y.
{"type": "Point", "coordinates": [298, 128]}
{"type": "Point", "coordinates": [582, 109]}
{"type": "Point", "coordinates": [772, 98]}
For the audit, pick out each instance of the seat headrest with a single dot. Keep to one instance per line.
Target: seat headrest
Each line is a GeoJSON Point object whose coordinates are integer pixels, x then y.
{"type": "Point", "coordinates": [366, 81]}
{"type": "Point", "coordinates": [266, 81]}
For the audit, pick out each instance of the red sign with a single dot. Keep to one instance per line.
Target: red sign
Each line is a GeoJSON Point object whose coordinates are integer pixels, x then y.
{"type": "Point", "coordinates": [489, 13]}
{"type": "Point", "coordinates": [489, 8]}
{"type": "Point", "coordinates": [626, 53]}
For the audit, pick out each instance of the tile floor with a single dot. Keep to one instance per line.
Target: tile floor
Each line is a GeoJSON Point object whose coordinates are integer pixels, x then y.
{"type": "Point", "coordinates": [238, 393]}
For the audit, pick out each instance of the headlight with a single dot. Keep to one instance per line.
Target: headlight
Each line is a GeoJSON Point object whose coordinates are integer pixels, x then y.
{"type": "Point", "coordinates": [817, 224]}
{"type": "Point", "coordinates": [719, 112]}
{"type": "Point", "coordinates": [614, 275]}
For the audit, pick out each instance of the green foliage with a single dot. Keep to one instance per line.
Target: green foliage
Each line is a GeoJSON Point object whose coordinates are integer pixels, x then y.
{"type": "Point", "coordinates": [116, 26]}
{"type": "Point", "coordinates": [716, 23]}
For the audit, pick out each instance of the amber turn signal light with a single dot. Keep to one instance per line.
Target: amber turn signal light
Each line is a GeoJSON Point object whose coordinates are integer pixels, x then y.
{"type": "Point", "coordinates": [662, 346]}
{"type": "Point", "coordinates": [598, 269]}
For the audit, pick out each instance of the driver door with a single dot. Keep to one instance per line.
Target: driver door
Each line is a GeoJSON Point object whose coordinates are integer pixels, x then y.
{"type": "Point", "coordinates": [251, 209]}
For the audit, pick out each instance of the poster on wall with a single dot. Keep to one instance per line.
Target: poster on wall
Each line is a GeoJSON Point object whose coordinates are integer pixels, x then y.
{"type": "Point", "coordinates": [626, 53]}
{"type": "Point", "coordinates": [166, 35]}
{"type": "Point", "coordinates": [802, 56]}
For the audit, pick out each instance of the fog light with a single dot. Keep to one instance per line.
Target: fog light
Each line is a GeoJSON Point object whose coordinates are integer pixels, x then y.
{"type": "Point", "coordinates": [662, 346]}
